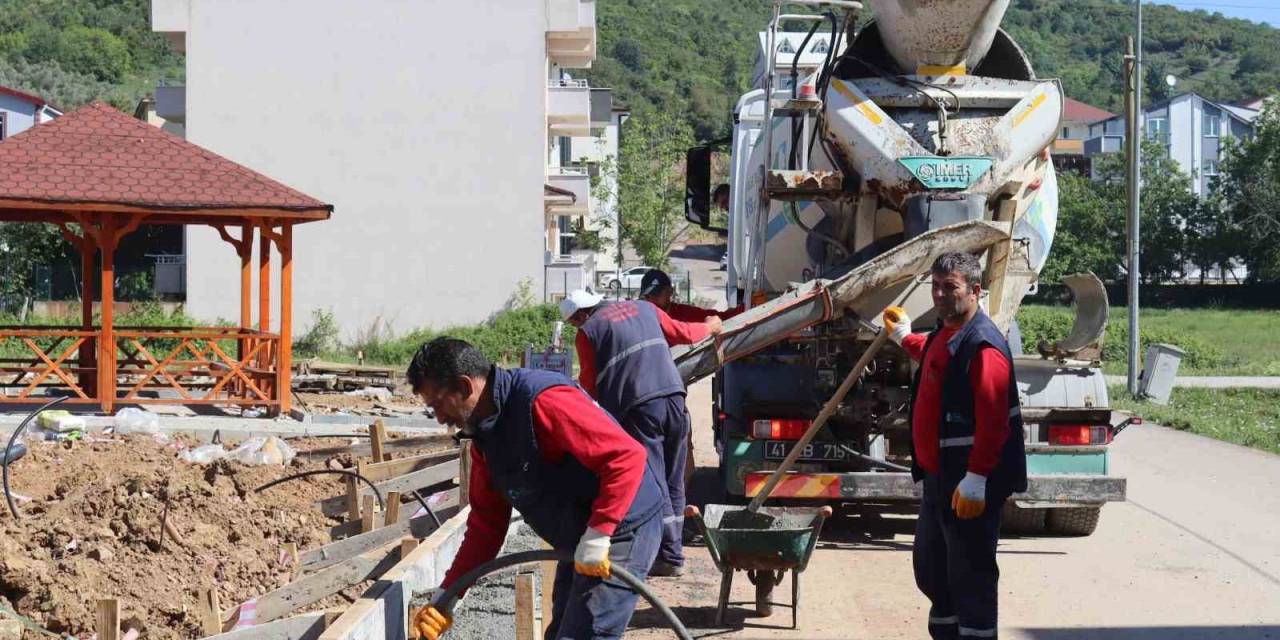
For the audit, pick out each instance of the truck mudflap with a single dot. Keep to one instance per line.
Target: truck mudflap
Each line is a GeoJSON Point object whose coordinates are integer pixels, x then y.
{"type": "Point", "coordinates": [821, 300]}
{"type": "Point", "coordinates": [1042, 490]}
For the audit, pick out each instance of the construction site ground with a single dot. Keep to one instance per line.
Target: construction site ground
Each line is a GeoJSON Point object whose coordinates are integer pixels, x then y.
{"type": "Point", "coordinates": [1193, 554]}
{"type": "Point", "coordinates": [92, 528]}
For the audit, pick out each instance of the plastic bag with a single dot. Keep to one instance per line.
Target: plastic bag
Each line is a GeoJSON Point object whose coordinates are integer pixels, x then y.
{"type": "Point", "coordinates": [263, 451]}
{"type": "Point", "coordinates": [60, 421]}
{"type": "Point", "coordinates": [134, 420]}
{"type": "Point", "coordinates": [203, 454]}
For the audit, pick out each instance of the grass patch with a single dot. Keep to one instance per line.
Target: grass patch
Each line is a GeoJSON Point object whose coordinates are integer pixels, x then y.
{"type": "Point", "coordinates": [1248, 417]}
{"type": "Point", "coordinates": [1224, 342]}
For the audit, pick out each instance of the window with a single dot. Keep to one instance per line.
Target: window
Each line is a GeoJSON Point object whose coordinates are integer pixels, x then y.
{"type": "Point", "coordinates": [1158, 129]}
{"type": "Point", "coordinates": [1209, 167]}
{"type": "Point", "coordinates": [820, 46]}
{"type": "Point", "coordinates": [4, 125]}
{"type": "Point", "coordinates": [566, 238]}
{"type": "Point", "coordinates": [786, 47]}
{"type": "Point", "coordinates": [1210, 123]}
{"type": "Point", "coordinates": [1066, 133]}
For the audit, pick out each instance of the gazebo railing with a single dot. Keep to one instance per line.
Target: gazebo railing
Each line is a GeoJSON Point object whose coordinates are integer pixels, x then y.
{"type": "Point", "coordinates": [166, 365]}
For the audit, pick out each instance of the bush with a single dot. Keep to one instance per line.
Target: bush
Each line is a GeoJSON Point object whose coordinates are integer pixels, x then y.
{"type": "Point", "coordinates": [502, 338]}
{"type": "Point", "coordinates": [1054, 323]}
{"type": "Point", "coordinates": [320, 338]}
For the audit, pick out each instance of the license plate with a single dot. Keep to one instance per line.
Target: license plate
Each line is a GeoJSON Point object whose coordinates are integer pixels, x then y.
{"type": "Point", "coordinates": [779, 449]}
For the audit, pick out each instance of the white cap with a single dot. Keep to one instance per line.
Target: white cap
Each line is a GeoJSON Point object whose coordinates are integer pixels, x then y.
{"type": "Point", "coordinates": [577, 300]}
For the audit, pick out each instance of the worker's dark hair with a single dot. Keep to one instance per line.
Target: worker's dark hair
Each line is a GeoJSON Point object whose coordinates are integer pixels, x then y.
{"type": "Point", "coordinates": [721, 189]}
{"type": "Point", "coordinates": [443, 360]}
{"type": "Point", "coordinates": [965, 264]}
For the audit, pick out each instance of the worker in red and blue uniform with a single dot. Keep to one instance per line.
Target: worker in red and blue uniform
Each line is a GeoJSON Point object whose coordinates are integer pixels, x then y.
{"type": "Point", "coordinates": [967, 449]}
{"type": "Point", "coordinates": [656, 288]}
{"type": "Point", "coordinates": [542, 446]}
{"type": "Point", "coordinates": [624, 362]}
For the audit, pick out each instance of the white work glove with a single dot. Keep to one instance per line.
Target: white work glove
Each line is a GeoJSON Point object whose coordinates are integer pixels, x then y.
{"type": "Point", "coordinates": [591, 558]}
{"type": "Point", "coordinates": [897, 323]}
{"type": "Point", "coordinates": [970, 498]}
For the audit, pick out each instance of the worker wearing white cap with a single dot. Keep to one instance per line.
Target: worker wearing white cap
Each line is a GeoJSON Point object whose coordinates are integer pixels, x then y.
{"type": "Point", "coordinates": [625, 363]}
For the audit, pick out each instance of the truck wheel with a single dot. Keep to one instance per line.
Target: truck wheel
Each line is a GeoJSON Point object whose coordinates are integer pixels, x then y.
{"type": "Point", "coordinates": [1015, 519]}
{"type": "Point", "coordinates": [1076, 521]}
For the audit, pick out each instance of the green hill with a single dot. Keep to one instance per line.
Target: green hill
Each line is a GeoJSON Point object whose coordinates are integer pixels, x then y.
{"type": "Point", "coordinates": [694, 57]}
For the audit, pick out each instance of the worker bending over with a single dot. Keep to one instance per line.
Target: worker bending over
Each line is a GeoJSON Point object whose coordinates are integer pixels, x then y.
{"type": "Point", "coordinates": [967, 447]}
{"type": "Point", "coordinates": [624, 362]}
{"type": "Point", "coordinates": [656, 288]}
{"type": "Point", "coordinates": [581, 483]}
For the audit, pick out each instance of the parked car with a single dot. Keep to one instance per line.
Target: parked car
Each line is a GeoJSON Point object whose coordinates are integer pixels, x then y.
{"type": "Point", "coordinates": [724, 261]}
{"type": "Point", "coordinates": [630, 279]}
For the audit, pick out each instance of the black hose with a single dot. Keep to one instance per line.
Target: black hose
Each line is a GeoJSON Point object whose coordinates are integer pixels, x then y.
{"type": "Point", "coordinates": [8, 497]}
{"type": "Point", "coordinates": [382, 504]}
{"type": "Point", "coordinates": [445, 600]}
{"type": "Point", "coordinates": [424, 504]}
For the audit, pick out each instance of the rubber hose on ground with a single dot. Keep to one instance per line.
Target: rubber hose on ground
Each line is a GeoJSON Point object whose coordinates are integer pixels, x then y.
{"type": "Point", "coordinates": [382, 504]}
{"type": "Point", "coordinates": [8, 497]}
{"type": "Point", "coordinates": [446, 599]}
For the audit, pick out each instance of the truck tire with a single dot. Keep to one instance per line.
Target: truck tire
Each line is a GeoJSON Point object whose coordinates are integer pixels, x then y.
{"type": "Point", "coordinates": [1075, 521]}
{"type": "Point", "coordinates": [1015, 519]}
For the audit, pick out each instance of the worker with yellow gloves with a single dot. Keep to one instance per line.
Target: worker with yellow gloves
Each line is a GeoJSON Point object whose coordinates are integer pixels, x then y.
{"type": "Point", "coordinates": [967, 448]}
{"type": "Point", "coordinates": [542, 446]}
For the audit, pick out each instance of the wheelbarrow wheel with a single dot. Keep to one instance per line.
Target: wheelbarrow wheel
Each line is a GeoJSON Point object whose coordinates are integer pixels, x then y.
{"type": "Point", "coordinates": [764, 595]}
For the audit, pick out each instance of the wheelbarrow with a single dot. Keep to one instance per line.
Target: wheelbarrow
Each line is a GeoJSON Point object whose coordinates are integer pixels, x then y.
{"type": "Point", "coordinates": [766, 554]}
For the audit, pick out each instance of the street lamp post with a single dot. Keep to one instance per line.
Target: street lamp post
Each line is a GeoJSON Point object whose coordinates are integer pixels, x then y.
{"type": "Point", "coordinates": [1135, 193]}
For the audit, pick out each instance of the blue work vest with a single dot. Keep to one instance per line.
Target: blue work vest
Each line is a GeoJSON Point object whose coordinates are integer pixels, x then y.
{"type": "Point", "coordinates": [955, 434]}
{"type": "Point", "coordinates": [556, 500]}
{"type": "Point", "coordinates": [633, 359]}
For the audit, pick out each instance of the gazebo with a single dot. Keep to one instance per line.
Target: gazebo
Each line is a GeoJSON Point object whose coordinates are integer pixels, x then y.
{"type": "Point", "coordinates": [98, 174]}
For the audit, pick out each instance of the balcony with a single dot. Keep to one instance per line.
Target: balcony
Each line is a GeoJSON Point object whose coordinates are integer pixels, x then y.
{"type": "Point", "coordinates": [571, 33]}
{"type": "Point", "coordinates": [569, 180]}
{"type": "Point", "coordinates": [171, 104]}
{"type": "Point", "coordinates": [1063, 146]}
{"type": "Point", "coordinates": [569, 108]}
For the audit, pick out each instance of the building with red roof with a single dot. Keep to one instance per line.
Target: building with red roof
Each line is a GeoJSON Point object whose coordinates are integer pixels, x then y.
{"type": "Point", "coordinates": [20, 111]}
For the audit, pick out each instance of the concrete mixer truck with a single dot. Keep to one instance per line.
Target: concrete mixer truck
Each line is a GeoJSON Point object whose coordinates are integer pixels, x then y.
{"type": "Point", "coordinates": [868, 146]}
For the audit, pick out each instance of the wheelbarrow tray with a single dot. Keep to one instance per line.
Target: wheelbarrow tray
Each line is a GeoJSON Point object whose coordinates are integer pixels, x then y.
{"type": "Point", "coordinates": [787, 543]}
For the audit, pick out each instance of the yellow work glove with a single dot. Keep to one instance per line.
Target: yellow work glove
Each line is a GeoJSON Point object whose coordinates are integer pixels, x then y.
{"type": "Point", "coordinates": [897, 323]}
{"type": "Point", "coordinates": [429, 623]}
{"type": "Point", "coordinates": [591, 558]}
{"type": "Point", "coordinates": [970, 498]}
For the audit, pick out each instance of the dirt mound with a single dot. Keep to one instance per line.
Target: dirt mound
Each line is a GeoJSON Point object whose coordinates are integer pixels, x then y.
{"type": "Point", "coordinates": [93, 529]}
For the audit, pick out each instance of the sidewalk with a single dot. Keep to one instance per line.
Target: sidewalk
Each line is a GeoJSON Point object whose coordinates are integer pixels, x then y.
{"type": "Point", "coordinates": [1216, 382]}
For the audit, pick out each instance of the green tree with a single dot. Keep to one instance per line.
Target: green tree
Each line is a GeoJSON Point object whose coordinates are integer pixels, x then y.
{"type": "Point", "coordinates": [1249, 187]}
{"type": "Point", "coordinates": [1087, 238]}
{"type": "Point", "coordinates": [25, 246]}
{"type": "Point", "coordinates": [647, 180]}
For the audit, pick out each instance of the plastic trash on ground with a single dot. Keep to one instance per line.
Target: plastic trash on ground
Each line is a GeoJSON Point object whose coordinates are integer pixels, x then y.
{"type": "Point", "coordinates": [134, 420]}
{"type": "Point", "coordinates": [203, 454]}
{"type": "Point", "coordinates": [263, 451]}
{"type": "Point", "coordinates": [60, 421]}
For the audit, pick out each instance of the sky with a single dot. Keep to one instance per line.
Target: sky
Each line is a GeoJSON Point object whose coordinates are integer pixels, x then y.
{"type": "Point", "coordinates": [1267, 11]}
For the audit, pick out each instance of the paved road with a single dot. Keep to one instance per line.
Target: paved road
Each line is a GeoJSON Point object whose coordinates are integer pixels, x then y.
{"type": "Point", "coordinates": [1194, 554]}
{"type": "Point", "coordinates": [702, 261]}
{"type": "Point", "coordinates": [1216, 382]}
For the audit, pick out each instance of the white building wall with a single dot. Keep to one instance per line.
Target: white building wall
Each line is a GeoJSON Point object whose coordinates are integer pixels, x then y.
{"type": "Point", "coordinates": [422, 122]}
{"type": "Point", "coordinates": [602, 149]}
{"type": "Point", "coordinates": [19, 114]}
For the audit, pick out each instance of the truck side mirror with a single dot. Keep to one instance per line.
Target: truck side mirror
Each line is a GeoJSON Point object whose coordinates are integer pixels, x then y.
{"type": "Point", "coordinates": [697, 186]}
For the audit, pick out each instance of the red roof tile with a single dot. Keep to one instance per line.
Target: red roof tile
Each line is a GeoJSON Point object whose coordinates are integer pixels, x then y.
{"type": "Point", "coordinates": [99, 155]}
{"type": "Point", "coordinates": [1076, 111]}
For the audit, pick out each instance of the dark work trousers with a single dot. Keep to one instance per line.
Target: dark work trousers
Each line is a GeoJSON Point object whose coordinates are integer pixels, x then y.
{"type": "Point", "coordinates": [955, 564]}
{"type": "Point", "coordinates": [583, 608]}
{"type": "Point", "coordinates": [662, 426]}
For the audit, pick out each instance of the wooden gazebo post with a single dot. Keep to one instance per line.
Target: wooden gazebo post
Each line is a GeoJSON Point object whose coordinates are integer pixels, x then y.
{"type": "Point", "coordinates": [284, 368]}
{"type": "Point", "coordinates": [106, 342]}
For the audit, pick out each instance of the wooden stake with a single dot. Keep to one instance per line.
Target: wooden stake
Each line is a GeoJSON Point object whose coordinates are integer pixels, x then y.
{"type": "Point", "coordinates": [291, 550]}
{"type": "Point", "coordinates": [108, 619]}
{"type": "Point", "coordinates": [393, 508]}
{"type": "Point", "coordinates": [407, 544]}
{"type": "Point", "coordinates": [378, 433]}
{"type": "Point", "coordinates": [524, 607]}
{"type": "Point", "coordinates": [548, 580]}
{"type": "Point", "coordinates": [353, 494]}
{"type": "Point", "coordinates": [464, 474]}
{"type": "Point", "coordinates": [210, 612]}
{"type": "Point", "coordinates": [367, 513]}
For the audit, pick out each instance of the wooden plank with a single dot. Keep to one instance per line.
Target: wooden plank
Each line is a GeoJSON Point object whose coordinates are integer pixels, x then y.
{"type": "Point", "coordinates": [380, 471]}
{"type": "Point", "coordinates": [421, 479]}
{"type": "Point", "coordinates": [322, 584]}
{"type": "Point", "coordinates": [464, 472]}
{"type": "Point", "coordinates": [407, 545]}
{"type": "Point", "coordinates": [210, 612]}
{"type": "Point", "coordinates": [350, 542]}
{"type": "Point", "coordinates": [393, 508]}
{"type": "Point", "coordinates": [306, 626]}
{"type": "Point", "coordinates": [367, 513]}
{"type": "Point", "coordinates": [548, 575]}
{"type": "Point", "coordinates": [352, 500]}
{"type": "Point", "coordinates": [524, 607]}
{"type": "Point", "coordinates": [377, 437]}
{"type": "Point", "coordinates": [108, 626]}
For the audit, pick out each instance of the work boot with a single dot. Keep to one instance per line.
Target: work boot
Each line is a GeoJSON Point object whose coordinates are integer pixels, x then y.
{"type": "Point", "coordinates": [663, 569]}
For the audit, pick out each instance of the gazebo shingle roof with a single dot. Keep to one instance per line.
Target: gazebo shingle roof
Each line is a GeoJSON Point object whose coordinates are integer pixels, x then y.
{"type": "Point", "coordinates": [98, 155]}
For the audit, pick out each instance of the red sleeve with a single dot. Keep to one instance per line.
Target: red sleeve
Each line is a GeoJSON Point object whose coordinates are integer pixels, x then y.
{"type": "Point", "coordinates": [568, 423]}
{"type": "Point", "coordinates": [486, 525]}
{"type": "Point", "coordinates": [689, 313]}
{"type": "Point", "coordinates": [914, 345]}
{"type": "Point", "coordinates": [729, 313]}
{"type": "Point", "coordinates": [677, 332]}
{"type": "Point", "coordinates": [586, 363]}
{"type": "Point", "coordinates": [989, 377]}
